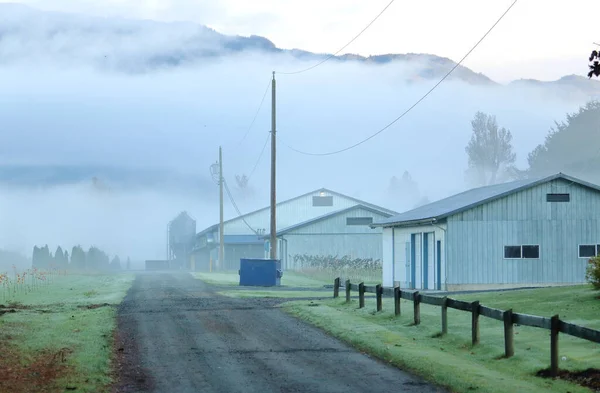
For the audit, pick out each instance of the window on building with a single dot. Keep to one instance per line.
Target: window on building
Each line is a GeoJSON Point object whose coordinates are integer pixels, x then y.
{"type": "Point", "coordinates": [359, 220]}
{"type": "Point", "coordinates": [522, 252]}
{"type": "Point", "coordinates": [588, 250]}
{"type": "Point", "coordinates": [322, 200]}
{"type": "Point", "coordinates": [512, 252]}
{"type": "Point", "coordinates": [531, 252]}
{"type": "Point", "coordinates": [558, 197]}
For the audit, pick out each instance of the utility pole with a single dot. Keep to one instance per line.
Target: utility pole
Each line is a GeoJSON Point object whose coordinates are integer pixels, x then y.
{"type": "Point", "coordinates": [221, 235]}
{"type": "Point", "coordinates": [273, 241]}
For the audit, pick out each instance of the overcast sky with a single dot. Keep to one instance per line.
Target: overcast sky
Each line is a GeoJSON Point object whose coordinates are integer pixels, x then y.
{"type": "Point", "coordinates": [79, 91]}
{"type": "Point", "coordinates": [543, 39]}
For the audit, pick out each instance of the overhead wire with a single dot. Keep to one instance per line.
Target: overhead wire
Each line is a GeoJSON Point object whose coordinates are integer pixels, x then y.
{"type": "Point", "coordinates": [413, 105]}
{"type": "Point", "coordinates": [257, 112]}
{"type": "Point", "coordinates": [342, 48]}
{"type": "Point", "coordinates": [235, 206]}
{"type": "Point", "coordinates": [259, 157]}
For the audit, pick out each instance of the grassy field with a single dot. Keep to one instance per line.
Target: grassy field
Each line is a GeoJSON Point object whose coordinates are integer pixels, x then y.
{"type": "Point", "coordinates": [289, 279]}
{"type": "Point", "coordinates": [368, 276]}
{"type": "Point", "coordinates": [63, 333]}
{"type": "Point", "coordinates": [450, 360]}
{"type": "Point", "coordinates": [274, 294]}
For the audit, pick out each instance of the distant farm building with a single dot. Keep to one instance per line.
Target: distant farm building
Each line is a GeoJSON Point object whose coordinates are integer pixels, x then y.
{"type": "Point", "coordinates": [535, 232]}
{"type": "Point", "coordinates": [322, 222]}
{"type": "Point", "coordinates": [181, 233]}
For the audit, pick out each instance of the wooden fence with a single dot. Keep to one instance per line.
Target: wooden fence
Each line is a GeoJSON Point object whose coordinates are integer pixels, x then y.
{"type": "Point", "coordinates": [508, 317]}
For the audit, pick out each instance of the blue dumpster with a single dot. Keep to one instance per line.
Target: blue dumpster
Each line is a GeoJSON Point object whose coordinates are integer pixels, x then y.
{"type": "Point", "coordinates": [260, 272]}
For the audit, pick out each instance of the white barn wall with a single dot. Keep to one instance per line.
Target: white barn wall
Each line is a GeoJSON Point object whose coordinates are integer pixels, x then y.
{"type": "Point", "coordinates": [288, 213]}
{"type": "Point", "coordinates": [400, 259]}
{"type": "Point", "coordinates": [388, 257]}
{"type": "Point", "coordinates": [332, 236]}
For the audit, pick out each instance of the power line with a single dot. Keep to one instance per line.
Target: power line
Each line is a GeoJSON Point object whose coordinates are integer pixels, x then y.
{"type": "Point", "coordinates": [259, 157]}
{"type": "Point", "coordinates": [342, 48]}
{"type": "Point", "coordinates": [413, 105]}
{"type": "Point", "coordinates": [257, 111]}
{"type": "Point", "coordinates": [240, 215]}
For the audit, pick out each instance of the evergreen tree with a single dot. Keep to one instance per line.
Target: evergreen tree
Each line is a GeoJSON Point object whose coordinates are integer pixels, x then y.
{"type": "Point", "coordinates": [59, 258]}
{"type": "Point", "coordinates": [570, 146]}
{"type": "Point", "coordinates": [115, 264]}
{"type": "Point", "coordinates": [35, 259]}
{"type": "Point", "coordinates": [46, 257]}
{"type": "Point", "coordinates": [78, 257]}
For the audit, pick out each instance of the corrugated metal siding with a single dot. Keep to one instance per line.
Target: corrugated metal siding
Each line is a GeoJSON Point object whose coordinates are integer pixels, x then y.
{"type": "Point", "coordinates": [354, 245]}
{"type": "Point", "coordinates": [333, 237]}
{"type": "Point", "coordinates": [337, 224]}
{"type": "Point", "coordinates": [476, 238]}
{"type": "Point", "coordinates": [288, 214]}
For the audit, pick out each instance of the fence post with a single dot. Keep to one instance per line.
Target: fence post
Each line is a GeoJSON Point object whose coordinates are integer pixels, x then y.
{"type": "Point", "coordinates": [554, 329]}
{"type": "Point", "coordinates": [336, 288]}
{"type": "Point", "coordinates": [361, 295]}
{"type": "Point", "coordinates": [509, 346]}
{"type": "Point", "coordinates": [379, 293]}
{"type": "Point", "coordinates": [475, 323]}
{"type": "Point", "coordinates": [445, 315]}
{"type": "Point", "coordinates": [417, 307]}
{"type": "Point", "coordinates": [347, 291]}
{"type": "Point", "coordinates": [397, 301]}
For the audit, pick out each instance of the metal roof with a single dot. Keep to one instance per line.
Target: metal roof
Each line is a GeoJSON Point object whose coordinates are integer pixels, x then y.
{"type": "Point", "coordinates": [358, 201]}
{"type": "Point", "coordinates": [469, 199]}
{"type": "Point", "coordinates": [329, 215]}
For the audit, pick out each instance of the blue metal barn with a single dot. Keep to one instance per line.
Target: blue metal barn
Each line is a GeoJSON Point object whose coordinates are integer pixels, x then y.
{"type": "Point", "coordinates": [534, 232]}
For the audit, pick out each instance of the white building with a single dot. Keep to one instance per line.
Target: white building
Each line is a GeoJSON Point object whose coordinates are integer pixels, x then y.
{"type": "Point", "coordinates": [245, 235]}
{"type": "Point", "coordinates": [535, 232]}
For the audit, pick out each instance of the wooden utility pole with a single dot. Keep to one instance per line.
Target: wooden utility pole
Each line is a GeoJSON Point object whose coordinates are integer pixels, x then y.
{"type": "Point", "coordinates": [273, 241]}
{"type": "Point", "coordinates": [221, 234]}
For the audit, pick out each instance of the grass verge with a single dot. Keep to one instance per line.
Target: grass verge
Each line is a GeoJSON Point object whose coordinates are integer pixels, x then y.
{"type": "Point", "coordinates": [274, 294]}
{"type": "Point", "coordinates": [450, 360]}
{"type": "Point", "coordinates": [66, 328]}
{"type": "Point", "coordinates": [289, 279]}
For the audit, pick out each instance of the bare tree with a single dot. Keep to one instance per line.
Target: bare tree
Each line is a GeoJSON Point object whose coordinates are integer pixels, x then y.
{"type": "Point", "coordinates": [242, 181]}
{"type": "Point", "coordinates": [490, 149]}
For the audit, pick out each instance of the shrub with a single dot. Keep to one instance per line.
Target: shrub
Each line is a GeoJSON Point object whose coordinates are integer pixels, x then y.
{"type": "Point", "coordinates": [593, 272]}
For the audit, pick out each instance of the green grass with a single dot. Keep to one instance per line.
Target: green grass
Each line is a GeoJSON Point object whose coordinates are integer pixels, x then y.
{"type": "Point", "coordinates": [289, 279]}
{"type": "Point", "coordinates": [274, 294]}
{"type": "Point", "coordinates": [450, 360]}
{"type": "Point", "coordinates": [368, 276]}
{"type": "Point", "coordinates": [55, 317]}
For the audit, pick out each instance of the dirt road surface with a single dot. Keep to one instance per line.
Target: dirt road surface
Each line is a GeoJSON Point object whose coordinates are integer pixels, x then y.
{"type": "Point", "coordinates": [176, 335]}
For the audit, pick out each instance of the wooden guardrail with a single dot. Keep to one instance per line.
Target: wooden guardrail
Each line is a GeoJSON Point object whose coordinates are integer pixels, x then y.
{"type": "Point", "coordinates": [508, 317]}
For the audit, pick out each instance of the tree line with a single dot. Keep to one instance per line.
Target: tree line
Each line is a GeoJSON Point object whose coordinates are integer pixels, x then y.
{"type": "Point", "coordinates": [79, 259]}
{"type": "Point", "coordinates": [570, 147]}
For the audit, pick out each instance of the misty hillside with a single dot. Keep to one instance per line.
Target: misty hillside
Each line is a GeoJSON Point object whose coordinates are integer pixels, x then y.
{"type": "Point", "coordinates": [109, 126]}
{"type": "Point", "coordinates": [122, 45]}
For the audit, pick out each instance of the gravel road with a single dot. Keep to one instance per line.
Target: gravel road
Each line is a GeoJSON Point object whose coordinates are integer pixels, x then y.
{"type": "Point", "coordinates": [176, 335]}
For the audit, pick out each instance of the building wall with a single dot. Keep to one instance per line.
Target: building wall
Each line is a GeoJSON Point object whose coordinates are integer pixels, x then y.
{"type": "Point", "coordinates": [287, 214]}
{"type": "Point", "coordinates": [398, 252]}
{"type": "Point", "coordinates": [333, 236]}
{"type": "Point", "coordinates": [476, 238]}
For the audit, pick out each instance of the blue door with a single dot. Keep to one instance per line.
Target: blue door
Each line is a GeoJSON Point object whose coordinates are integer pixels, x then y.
{"type": "Point", "coordinates": [439, 265]}
{"type": "Point", "coordinates": [413, 262]}
{"type": "Point", "coordinates": [425, 260]}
